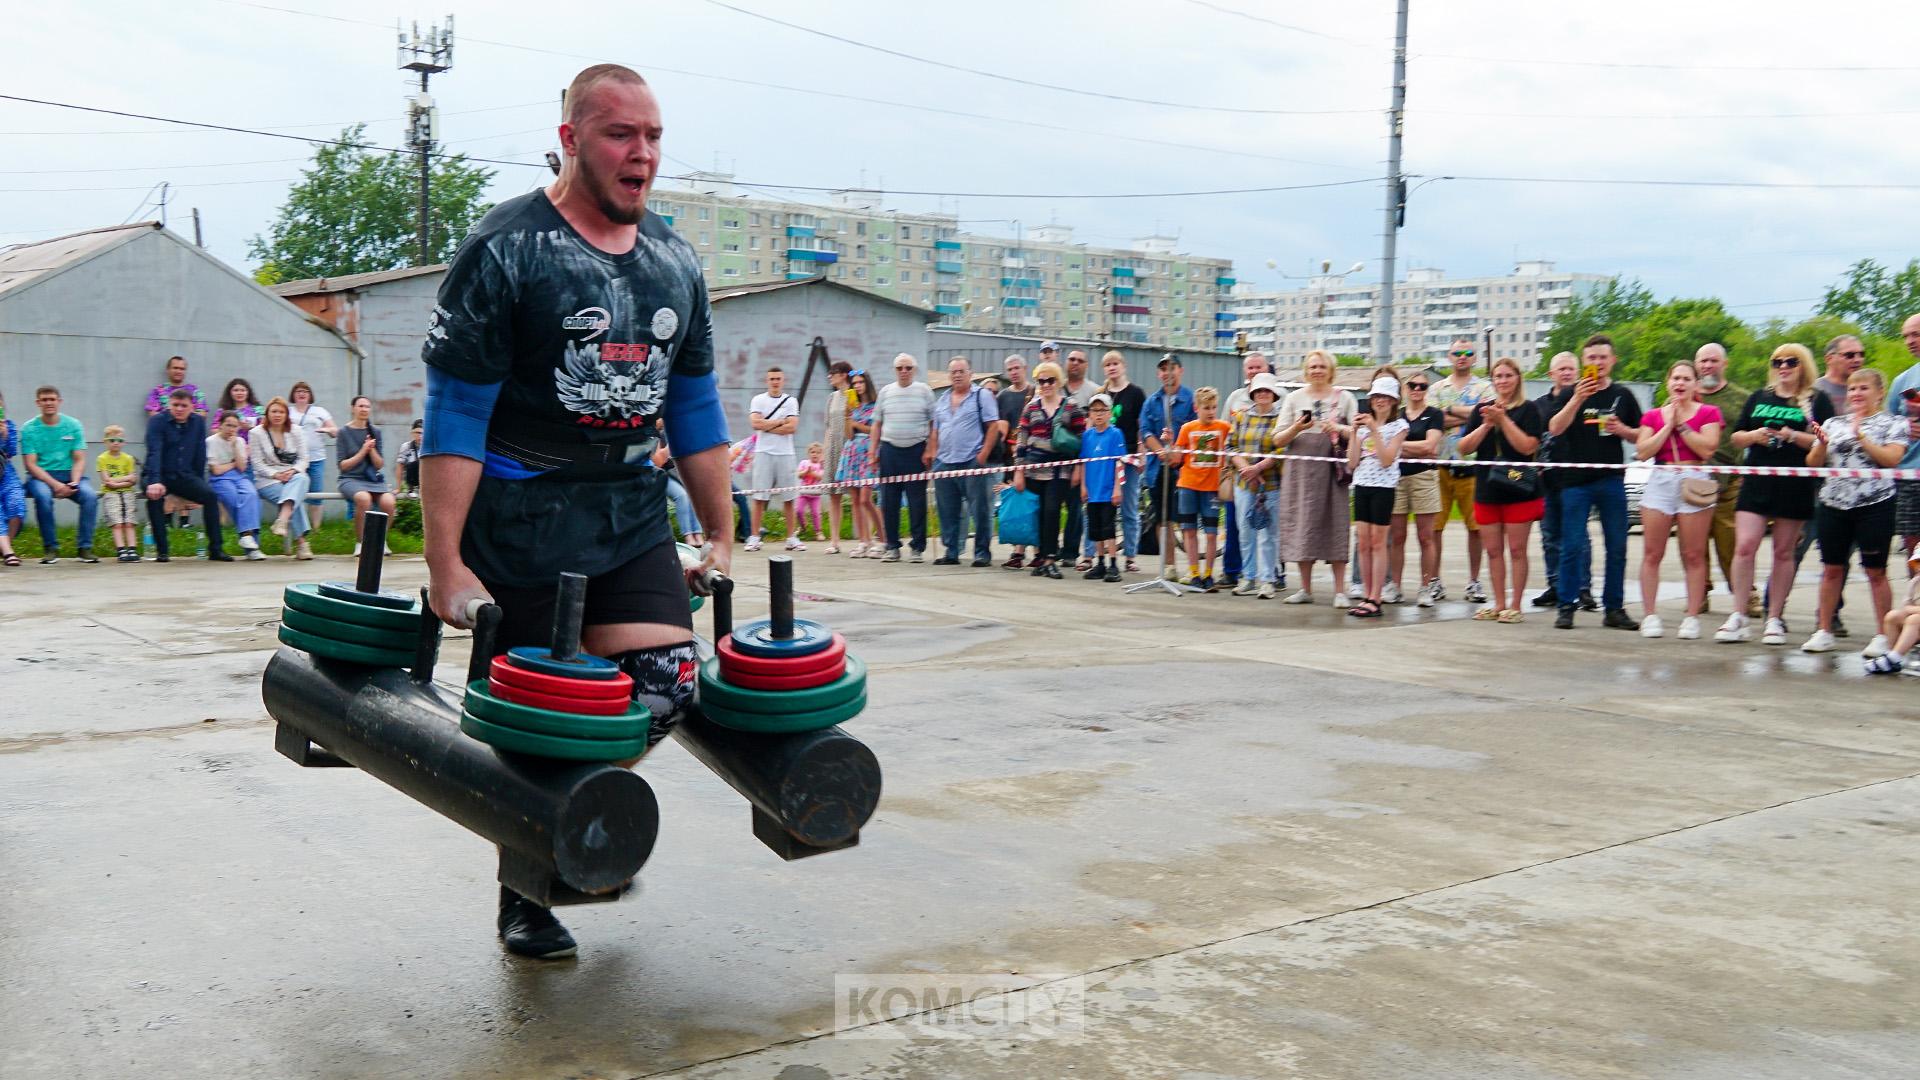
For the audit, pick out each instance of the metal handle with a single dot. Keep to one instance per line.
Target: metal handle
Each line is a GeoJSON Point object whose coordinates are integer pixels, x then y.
{"type": "Point", "coordinates": [486, 628]}
{"type": "Point", "coordinates": [426, 650]}
{"type": "Point", "coordinates": [780, 586]}
{"type": "Point", "coordinates": [373, 542]}
{"type": "Point", "coordinates": [569, 610]}
{"type": "Point", "coordinates": [722, 588]}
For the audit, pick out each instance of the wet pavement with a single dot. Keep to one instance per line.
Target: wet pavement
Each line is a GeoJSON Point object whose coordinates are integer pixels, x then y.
{"type": "Point", "coordinates": [1233, 838]}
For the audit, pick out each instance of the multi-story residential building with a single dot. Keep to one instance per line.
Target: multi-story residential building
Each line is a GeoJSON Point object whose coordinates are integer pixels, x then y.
{"type": "Point", "coordinates": [1429, 312]}
{"type": "Point", "coordinates": [1040, 283]}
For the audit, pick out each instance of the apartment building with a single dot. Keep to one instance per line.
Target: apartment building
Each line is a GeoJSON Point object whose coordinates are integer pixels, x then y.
{"type": "Point", "coordinates": [1430, 312]}
{"type": "Point", "coordinates": [1040, 283]}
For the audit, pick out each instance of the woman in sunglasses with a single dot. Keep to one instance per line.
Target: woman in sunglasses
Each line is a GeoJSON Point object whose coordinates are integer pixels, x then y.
{"type": "Point", "coordinates": [1049, 425]}
{"type": "Point", "coordinates": [857, 464]}
{"type": "Point", "coordinates": [1856, 513]}
{"type": "Point", "coordinates": [1776, 428]}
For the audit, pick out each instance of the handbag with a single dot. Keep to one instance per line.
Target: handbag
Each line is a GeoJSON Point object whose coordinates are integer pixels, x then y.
{"type": "Point", "coordinates": [1019, 517]}
{"type": "Point", "coordinates": [1064, 442]}
{"type": "Point", "coordinates": [1511, 483]}
{"type": "Point", "coordinates": [1342, 472]}
{"type": "Point", "coordinates": [1699, 491]}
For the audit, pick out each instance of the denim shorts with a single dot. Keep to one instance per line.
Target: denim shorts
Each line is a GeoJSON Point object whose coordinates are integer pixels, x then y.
{"type": "Point", "coordinates": [1190, 505]}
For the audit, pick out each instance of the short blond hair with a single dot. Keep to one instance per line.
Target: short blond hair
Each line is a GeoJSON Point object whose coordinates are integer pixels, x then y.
{"type": "Point", "coordinates": [1206, 395]}
{"type": "Point", "coordinates": [114, 431]}
{"type": "Point", "coordinates": [590, 79]}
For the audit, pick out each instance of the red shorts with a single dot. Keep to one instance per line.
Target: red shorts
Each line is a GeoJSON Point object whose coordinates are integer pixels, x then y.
{"type": "Point", "coordinates": [1509, 513]}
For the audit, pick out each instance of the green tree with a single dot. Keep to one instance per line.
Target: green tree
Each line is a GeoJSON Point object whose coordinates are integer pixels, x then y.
{"type": "Point", "coordinates": [1598, 312]}
{"type": "Point", "coordinates": [1874, 298]}
{"type": "Point", "coordinates": [356, 210]}
{"type": "Point", "coordinates": [1672, 331]}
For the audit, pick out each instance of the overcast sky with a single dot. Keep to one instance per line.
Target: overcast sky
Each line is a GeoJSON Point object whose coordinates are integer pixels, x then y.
{"type": "Point", "coordinates": [1496, 88]}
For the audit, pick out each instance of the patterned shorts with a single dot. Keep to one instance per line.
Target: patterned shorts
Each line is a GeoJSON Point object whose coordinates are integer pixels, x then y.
{"type": "Point", "coordinates": [120, 508]}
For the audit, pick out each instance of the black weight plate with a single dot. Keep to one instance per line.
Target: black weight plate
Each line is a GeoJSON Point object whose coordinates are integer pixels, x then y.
{"type": "Point", "coordinates": [785, 723]}
{"type": "Point", "coordinates": [340, 590]}
{"type": "Point", "coordinates": [343, 650]}
{"type": "Point", "coordinates": [320, 626]}
{"type": "Point", "coordinates": [756, 639]}
{"type": "Point", "coordinates": [581, 666]}
{"type": "Point", "coordinates": [308, 598]}
{"type": "Point", "coordinates": [551, 746]}
{"type": "Point", "coordinates": [715, 690]}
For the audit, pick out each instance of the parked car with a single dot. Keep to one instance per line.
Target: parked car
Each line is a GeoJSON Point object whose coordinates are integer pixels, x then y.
{"type": "Point", "coordinates": [1637, 476]}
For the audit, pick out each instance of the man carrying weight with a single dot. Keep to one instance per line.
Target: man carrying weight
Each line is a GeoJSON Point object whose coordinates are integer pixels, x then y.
{"type": "Point", "coordinates": [570, 320]}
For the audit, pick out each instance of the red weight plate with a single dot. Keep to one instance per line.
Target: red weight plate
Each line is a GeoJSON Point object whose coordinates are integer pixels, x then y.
{"type": "Point", "coordinates": [733, 660]}
{"type": "Point", "coordinates": [749, 681]}
{"type": "Point", "coordinates": [618, 688]}
{"type": "Point", "coordinates": [555, 703]}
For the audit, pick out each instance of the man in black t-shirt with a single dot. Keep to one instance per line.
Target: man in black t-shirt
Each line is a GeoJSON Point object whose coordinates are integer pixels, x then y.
{"type": "Point", "coordinates": [1128, 400]}
{"type": "Point", "coordinates": [1564, 371]}
{"type": "Point", "coordinates": [1589, 421]}
{"type": "Point", "coordinates": [570, 320]}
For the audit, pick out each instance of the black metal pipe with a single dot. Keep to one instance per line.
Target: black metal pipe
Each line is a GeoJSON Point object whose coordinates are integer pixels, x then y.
{"type": "Point", "coordinates": [569, 609]}
{"type": "Point", "coordinates": [722, 605]}
{"type": "Point", "coordinates": [780, 595]}
{"type": "Point", "coordinates": [486, 631]}
{"type": "Point", "coordinates": [820, 787]}
{"type": "Point", "coordinates": [373, 544]}
{"type": "Point", "coordinates": [426, 651]}
{"type": "Point", "coordinates": [591, 825]}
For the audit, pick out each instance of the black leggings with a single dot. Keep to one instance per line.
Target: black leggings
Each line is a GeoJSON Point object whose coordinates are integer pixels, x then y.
{"type": "Point", "coordinates": [1055, 495]}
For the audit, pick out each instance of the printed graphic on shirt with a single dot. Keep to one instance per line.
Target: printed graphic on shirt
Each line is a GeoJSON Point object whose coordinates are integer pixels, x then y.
{"type": "Point", "coordinates": [612, 385]}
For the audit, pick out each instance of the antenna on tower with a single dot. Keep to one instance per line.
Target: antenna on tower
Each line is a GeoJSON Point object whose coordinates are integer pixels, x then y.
{"type": "Point", "coordinates": [428, 54]}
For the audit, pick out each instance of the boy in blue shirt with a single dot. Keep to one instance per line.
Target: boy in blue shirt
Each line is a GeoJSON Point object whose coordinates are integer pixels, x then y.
{"type": "Point", "coordinates": [1098, 488]}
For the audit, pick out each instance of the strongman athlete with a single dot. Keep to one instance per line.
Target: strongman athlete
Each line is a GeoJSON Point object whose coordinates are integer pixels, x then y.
{"type": "Point", "coordinates": [570, 320]}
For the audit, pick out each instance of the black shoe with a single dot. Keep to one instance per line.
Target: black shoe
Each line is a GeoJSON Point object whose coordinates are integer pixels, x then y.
{"type": "Point", "coordinates": [1207, 584]}
{"type": "Point", "coordinates": [162, 557]}
{"type": "Point", "coordinates": [983, 560]}
{"type": "Point", "coordinates": [1052, 570]}
{"type": "Point", "coordinates": [219, 556]}
{"type": "Point", "coordinates": [1618, 619]}
{"type": "Point", "coordinates": [86, 555]}
{"type": "Point", "coordinates": [946, 560]}
{"type": "Point", "coordinates": [1112, 574]}
{"type": "Point", "coordinates": [528, 929]}
{"type": "Point", "coordinates": [1096, 573]}
{"type": "Point", "coordinates": [1565, 619]}
{"type": "Point", "coordinates": [1587, 602]}
{"type": "Point", "coordinates": [1547, 599]}
{"type": "Point", "coordinates": [1228, 581]}
{"type": "Point", "coordinates": [1039, 569]}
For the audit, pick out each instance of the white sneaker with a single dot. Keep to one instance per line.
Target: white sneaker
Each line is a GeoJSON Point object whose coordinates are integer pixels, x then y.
{"type": "Point", "coordinates": [301, 551]}
{"type": "Point", "coordinates": [1266, 590]}
{"type": "Point", "coordinates": [254, 554]}
{"type": "Point", "coordinates": [1301, 597]}
{"type": "Point", "coordinates": [1432, 593]}
{"type": "Point", "coordinates": [1476, 592]}
{"type": "Point", "coordinates": [356, 549]}
{"type": "Point", "coordinates": [1689, 628]}
{"type": "Point", "coordinates": [1735, 629]}
{"type": "Point", "coordinates": [1340, 600]}
{"type": "Point", "coordinates": [753, 543]}
{"type": "Point", "coordinates": [1439, 590]}
{"type": "Point", "coordinates": [1821, 641]}
{"type": "Point", "coordinates": [1168, 573]}
{"type": "Point", "coordinates": [1390, 594]}
{"type": "Point", "coordinates": [248, 543]}
{"type": "Point", "coordinates": [1776, 632]}
{"type": "Point", "coordinates": [918, 557]}
{"type": "Point", "coordinates": [1876, 648]}
{"type": "Point", "coordinates": [1651, 627]}
{"type": "Point", "coordinates": [892, 555]}
{"type": "Point", "coordinates": [795, 545]}
{"type": "Point", "coordinates": [1247, 587]}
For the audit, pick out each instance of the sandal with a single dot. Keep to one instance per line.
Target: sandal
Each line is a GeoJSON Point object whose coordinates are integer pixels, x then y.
{"type": "Point", "coordinates": [1486, 614]}
{"type": "Point", "coordinates": [833, 549]}
{"type": "Point", "coordinates": [1363, 609]}
{"type": "Point", "coordinates": [1083, 565]}
{"type": "Point", "coordinates": [10, 559]}
{"type": "Point", "coordinates": [1511, 616]}
{"type": "Point", "coordinates": [1015, 562]}
{"type": "Point", "coordinates": [1132, 567]}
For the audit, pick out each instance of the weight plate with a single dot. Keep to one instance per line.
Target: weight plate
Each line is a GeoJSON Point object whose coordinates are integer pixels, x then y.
{"type": "Point", "coordinates": [582, 666]}
{"type": "Point", "coordinates": [340, 590]}
{"type": "Point", "coordinates": [582, 706]}
{"type": "Point", "coordinates": [784, 723]}
{"type": "Point", "coordinates": [756, 638]}
{"type": "Point", "coordinates": [782, 682]}
{"type": "Point", "coordinates": [321, 626]}
{"type": "Point", "coordinates": [309, 599]}
{"type": "Point", "coordinates": [615, 689]}
{"type": "Point", "coordinates": [344, 650]}
{"type": "Point", "coordinates": [480, 701]}
{"type": "Point", "coordinates": [551, 746]}
{"type": "Point", "coordinates": [715, 690]}
{"type": "Point", "coordinates": [732, 659]}
{"type": "Point", "coordinates": [698, 602]}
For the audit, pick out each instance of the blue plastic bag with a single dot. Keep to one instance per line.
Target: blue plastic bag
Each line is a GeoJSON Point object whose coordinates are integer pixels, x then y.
{"type": "Point", "coordinates": [1019, 518]}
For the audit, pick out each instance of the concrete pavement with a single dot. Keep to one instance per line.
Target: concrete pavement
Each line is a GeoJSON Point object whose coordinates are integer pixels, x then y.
{"type": "Point", "coordinates": [1250, 840]}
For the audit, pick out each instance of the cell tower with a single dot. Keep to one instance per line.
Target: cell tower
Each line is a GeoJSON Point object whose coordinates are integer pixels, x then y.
{"type": "Point", "coordinates": [429, 54]}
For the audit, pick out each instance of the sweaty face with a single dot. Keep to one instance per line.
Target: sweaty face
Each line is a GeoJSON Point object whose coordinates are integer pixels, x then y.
{"type": "Point", "coordinates": [616, 148]}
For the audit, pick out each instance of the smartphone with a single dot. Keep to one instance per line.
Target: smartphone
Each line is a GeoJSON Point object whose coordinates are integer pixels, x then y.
{"type": "Point", "coordinates": [1589, 371]}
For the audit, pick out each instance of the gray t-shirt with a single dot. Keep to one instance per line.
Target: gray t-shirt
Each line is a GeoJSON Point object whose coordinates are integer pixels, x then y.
{"type": "Point", "coordinates": [348, 443]}
{"type": "Point", "coordinates": [904, 413]}
{"type": "Point", "coordinates": [1083, 396]}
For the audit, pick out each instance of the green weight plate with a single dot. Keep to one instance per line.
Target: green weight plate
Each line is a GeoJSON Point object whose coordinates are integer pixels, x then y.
{"type": "Point", "coordinates": [537, 721]}
{"type": "Point", "coordinates": [309, 599]}
{"type": "Point", "coordinates": [321, 626]}
{"type": "Point", "coordinates": [784, 723]}
{"type": "Point", "coordinates": [715, 690]}
{"type": "Point", "coordinates": [345, 650]}
{"type": "Point", "coordinates": [341, 590]}
{"type": "Point", "coordinates": [551, 746]}
{"type": "Point", "coordinates": [699, 602]}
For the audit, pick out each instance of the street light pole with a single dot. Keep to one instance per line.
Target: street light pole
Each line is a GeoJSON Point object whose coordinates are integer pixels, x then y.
{"type": "Point", "coordinates": [1396, 191]}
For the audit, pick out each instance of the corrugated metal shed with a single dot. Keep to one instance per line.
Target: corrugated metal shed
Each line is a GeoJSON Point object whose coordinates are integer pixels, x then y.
{"type": "Point", "coordinates": [385, 315]}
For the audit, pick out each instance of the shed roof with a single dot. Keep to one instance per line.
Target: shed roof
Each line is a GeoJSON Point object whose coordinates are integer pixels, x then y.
{"type": "Point", "coordinates": [29, 264]}
{"type": "Point", "coordinates": [732, 291]}
{"type": "Point", "coordinates": [349, 282]}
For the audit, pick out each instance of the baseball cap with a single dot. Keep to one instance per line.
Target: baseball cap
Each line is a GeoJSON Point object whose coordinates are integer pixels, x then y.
{"type": "Point", "coordinates": [1385, 386]}
{"type": "Point", "coordinates": [1170, 359]}
{"type": "Point", "coordinates": [1049, 346]}
{"type": "Point", "coordinates": [1100, 399]}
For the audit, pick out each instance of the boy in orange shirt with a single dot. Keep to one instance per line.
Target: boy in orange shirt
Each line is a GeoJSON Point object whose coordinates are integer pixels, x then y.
{"type": "Point", "coordinates": [1197, 501]}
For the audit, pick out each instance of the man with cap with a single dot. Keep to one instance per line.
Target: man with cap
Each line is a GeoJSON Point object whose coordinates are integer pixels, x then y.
{"type": "Point", "coordinates": [1160, 421]}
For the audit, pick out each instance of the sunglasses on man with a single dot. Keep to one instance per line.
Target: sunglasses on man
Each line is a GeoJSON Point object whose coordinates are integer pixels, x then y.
{"type": "Point", "coordinates": [1461, 352]}
{"type": "Point", "coordinates": [1856, 354]}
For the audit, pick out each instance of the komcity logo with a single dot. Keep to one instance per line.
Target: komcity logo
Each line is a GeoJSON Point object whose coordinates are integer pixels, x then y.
{"type": "Point", "coordinates": [598, 320]}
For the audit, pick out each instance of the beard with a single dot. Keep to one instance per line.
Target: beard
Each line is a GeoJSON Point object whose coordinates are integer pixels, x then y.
{"type": "Point", "coordinates": [1711, 382]}
{"type": "Point", "coordinates": [605, 191]}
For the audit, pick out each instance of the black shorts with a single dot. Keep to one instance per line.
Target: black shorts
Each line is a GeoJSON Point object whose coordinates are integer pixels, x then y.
{"type": "Point", "coordinates": [1788, 498]}
{"type": "Point", "coordinates": [1373, 505]}
{"type": "Point", "coordinates": [1100, 520]}
{"type": "Point", "coordinates": [649, 588]}
{"type": "Point", "coordinates": [1867, 528]}
{"type": "Point", "coordinates": [1907, 508]}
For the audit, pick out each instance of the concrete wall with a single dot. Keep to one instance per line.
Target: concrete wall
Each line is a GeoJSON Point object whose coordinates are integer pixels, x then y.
{"type": "Point", "coordinates": [755, 331]}
{"type": "Point", "coordinates": [388, 321]}
{"type": "Point", "coordinates": [101, 331]}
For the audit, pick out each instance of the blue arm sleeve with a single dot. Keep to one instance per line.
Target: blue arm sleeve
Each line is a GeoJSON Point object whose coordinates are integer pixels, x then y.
{"type": "Point", "coordinates": [695, 420]}
{"type": "Point", "coordinates": [457, 415]}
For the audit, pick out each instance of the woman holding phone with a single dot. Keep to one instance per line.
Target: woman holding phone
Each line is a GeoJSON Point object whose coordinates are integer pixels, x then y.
{"type": "Point", "coordinates": [1507, 499]}
{"type": "Point", "coordinates": [1315, 420]}
{"type": "Point", "coordinates": [1685, 431]}
{"type": "Point", "coordinates": [1776, 428]}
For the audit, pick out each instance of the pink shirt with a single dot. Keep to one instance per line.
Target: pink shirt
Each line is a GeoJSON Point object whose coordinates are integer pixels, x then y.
{"type": "Point", "coordinates": [1675, 451]}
